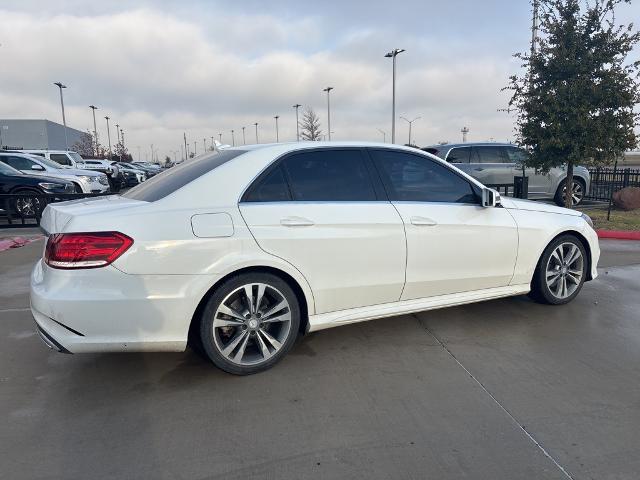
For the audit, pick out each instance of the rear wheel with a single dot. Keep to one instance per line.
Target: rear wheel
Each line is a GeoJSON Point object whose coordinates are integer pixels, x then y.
{"type": "Point", "coordinates": [27, 205]}
{"type": "Point", "coordinates": [250, 323]}
{"type": "Point", "coordinates": [577, 192]}
{"type": "Point", "coordinates": [561, 271]}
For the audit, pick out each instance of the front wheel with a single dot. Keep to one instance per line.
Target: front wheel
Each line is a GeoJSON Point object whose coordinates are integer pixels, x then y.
{"type": "Point", "coordinates": [561, 271]}
{"type": "Point", "coordinates": [577, 192]}
{"type": "Point", "coordinates": [27, 205]}
{"type": "Point", "coordinates": [249, 323]}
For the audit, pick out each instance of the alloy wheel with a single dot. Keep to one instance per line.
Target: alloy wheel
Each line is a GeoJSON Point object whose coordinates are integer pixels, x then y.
{"type": "Point", "coordinates": [577, 192]}
{"type": "Point", "coordinates": [251, 324]}
{"type": "Point", "coordinates": [564, 270]}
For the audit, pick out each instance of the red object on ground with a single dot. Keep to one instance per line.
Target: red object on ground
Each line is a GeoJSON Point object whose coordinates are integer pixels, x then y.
{"type": "Point", "coordinates": [15, 242]}
{"type": "Point", "coordinates": [619, 234]}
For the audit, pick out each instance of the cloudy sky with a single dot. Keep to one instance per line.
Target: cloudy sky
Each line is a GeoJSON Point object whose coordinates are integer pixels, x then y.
{"type": "Point", "coordinates": [161, 68]}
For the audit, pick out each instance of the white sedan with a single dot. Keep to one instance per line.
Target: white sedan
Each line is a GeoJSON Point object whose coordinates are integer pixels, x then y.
{"type": "Point", "coordinates": [243, 250]}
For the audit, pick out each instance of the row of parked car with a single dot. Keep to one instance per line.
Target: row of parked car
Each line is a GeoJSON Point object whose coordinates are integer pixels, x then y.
{"type": "Point", "coordinates": [63, 172]}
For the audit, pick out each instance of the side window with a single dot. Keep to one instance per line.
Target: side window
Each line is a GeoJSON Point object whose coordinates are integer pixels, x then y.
{"type": "Point", "coordinates": [516, 155]}
{"type": "Point", "coordinates": [329, 175]}
{"type": "Point", "coordinates": [61, 158]}
{"type": "Point", "coordinates": [272, 188]}
{"type": "Point", "coordinates": [19, 163]}
{"type": "Point", "coordinates": [418, 179]}
{"type": "Point", "coordinates": [459, 155]}
{"type": "Point", "coordinates": [490, 155]}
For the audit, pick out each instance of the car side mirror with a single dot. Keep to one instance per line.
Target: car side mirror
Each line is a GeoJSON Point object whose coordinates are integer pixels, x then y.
{"type": "Point", "coordinates": [35, 166]}
{"type": "Point", "coordinates": [490, 198]}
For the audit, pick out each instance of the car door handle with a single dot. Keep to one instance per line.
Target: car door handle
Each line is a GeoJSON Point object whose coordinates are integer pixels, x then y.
{"type": "Point", "coordinates": [296, 222]}
{"type": "Point", "coordinates": [479, 169]}
{"type": "Point", "coordinates": [423, 222]}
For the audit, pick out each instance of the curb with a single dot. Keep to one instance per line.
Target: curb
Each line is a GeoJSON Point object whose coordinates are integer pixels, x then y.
{"type": "Point", "coordinates": [619, 234]}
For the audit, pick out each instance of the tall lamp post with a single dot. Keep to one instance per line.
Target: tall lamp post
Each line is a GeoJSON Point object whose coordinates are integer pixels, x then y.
{"type": "Point", "coordinates": [64, 119]}
{"type": "Point", "coordinates": [410, 122]}
{"type": "Point", "coordinates": [109, 136]}
{"type": "Point", "coordinates": [277, 133]}
{"type": "Point", "coordinates": [384, 135]}
{"type": "Point", "coordinates": [233, 139]}
{"type": "Point", "coordinates": [244, 139]}
{"type": "Point", "coordinates": [256, 125]}
{"type": "Point", "coordinates": [297, 106]}
{"type": "Point", "coordinates": [393, 54]}
{"type": "Point", "coordinates": [95, 129]}
{"type": "Point", "coordinates": [220, 137]}
{"type": "Point", "coordinates": [328, 90]}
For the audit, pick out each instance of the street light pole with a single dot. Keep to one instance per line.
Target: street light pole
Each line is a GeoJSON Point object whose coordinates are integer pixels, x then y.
{"type": "Point", "coordinates": [410, 122]}
{"type": "Point", "coordinates": [297, 106]}
{"type": "Point", "coordinates": [277, 133]}
{"type": "Point", "coordinates": [244, 139]}
{"type": "Point", "coordinates": [204, 143]}
{"type": "Point", "coordinates": [384, 135]}
{"type": "Point", "coordinates": [233, 139]}
{"type": "Point", "coordinates": [328, 90]}
{"type": "Point", "coordinates": [186, 149]}
{"type": "Point", "coordinates": [220, 137]}
{"type": "Point", "coordinates": [118, 132]}
{"type": "Point", "coordinates": [64, 120]}
{"type": "Point", "coordinates": [393, 54]}
{"type": "Point", "coordinates": [109, 136]}
{"type": "Point", "coordinates": [95, 129]}
{"type": "Point", "coordinates": [256, 125]}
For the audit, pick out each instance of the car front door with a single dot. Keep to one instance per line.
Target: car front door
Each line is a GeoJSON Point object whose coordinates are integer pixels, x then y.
{"type": "Point", "coordinates": [453, 244]}
{"type": "Point", "coordinates": [324, 212]}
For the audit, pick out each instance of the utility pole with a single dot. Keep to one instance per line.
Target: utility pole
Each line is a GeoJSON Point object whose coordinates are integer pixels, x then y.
{"type": "Point", "coordinates": [118, 132]}
{"type": "Point", "coordinates": [64, 120]}
{"type": "Point", "coordinates": [95, 129]}
{"type": "Point", "coordinates": [186, 149]}
{"type": "Point", "coordinates": [244, 139]}
{"type": "Point", "coordinates": [233, 139]}
{"type": "Point", "coordinates": [297, 106]}
{"type": "Point", "coordinates": [328, 90]}
{"type": "Point", "coordinates": [534, 29]}
{"type": "Point", "coordinates": [465, 131]}
{"type": "Point", "coordinates": [277, 134]}
{"type": "Point", "coordinates": [393, 54]}
{"type": "Point", "coordinates": [256, 125]}
{"type": "Point", "coordinates": [109, 136]}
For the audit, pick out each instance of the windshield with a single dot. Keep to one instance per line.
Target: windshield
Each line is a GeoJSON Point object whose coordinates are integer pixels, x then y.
{"type": "Point", "coordinates": [75, 156]}
{"type": "Point", "coordinates": [48, 163]}
{"type": "Point", "coordinates": [7, 170]}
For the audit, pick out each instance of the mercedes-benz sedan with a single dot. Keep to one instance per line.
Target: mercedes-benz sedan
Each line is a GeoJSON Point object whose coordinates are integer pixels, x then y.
{"type": "Point", "coordinates": [242, 251]}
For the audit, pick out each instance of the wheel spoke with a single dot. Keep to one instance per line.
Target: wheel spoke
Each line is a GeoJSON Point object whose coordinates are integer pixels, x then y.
{"type": "Point", "coordinates": [220, 322]}
{"type": "Point", "coordinates": [285, 317]}
{"type": "Point", "coordinates": [261, 289]}
{"type": "Point", "coordinates": [574, 253]}
{"type": "Point", "coordinates": [556, 256]}
{"type": "Point", "coordinates": [574, 278]}
{"type": "Point", "coordinates": [234, 342]}
{"type": "Point", "coordinates": [276, 344]}
{"type": "Point", "coordinates": [240, 353]}
{"type": "Point", "coordinates": [231, 312]}
{"type": "Point", "coordinates": [248, 294]}
{"type": "Point", "coordinates": [263, 347]}
{"type": "Point", "coordinates": [282, 304]}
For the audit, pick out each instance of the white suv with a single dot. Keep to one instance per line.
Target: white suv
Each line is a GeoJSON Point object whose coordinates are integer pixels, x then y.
{"type": "Point", "coordinates": [63, 157]}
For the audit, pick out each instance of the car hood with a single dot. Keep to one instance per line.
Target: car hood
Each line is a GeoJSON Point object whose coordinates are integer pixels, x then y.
{"type": "Point", "coordinates": [87, 173]}
{"type": "Point", "coordinates": [43, 178]}
{"type": "Point", "coordinates": [530, 205]}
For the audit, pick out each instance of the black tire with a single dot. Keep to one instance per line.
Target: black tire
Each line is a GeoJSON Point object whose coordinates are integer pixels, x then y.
{"type": "Point", "coordinates": [206, 329]}
{"type": "Point", "coordinates": [559, 192]}
{"type": "Point", "coordinates": [77, 188]}
{"type": "Point", "coordinates": [540, 291]}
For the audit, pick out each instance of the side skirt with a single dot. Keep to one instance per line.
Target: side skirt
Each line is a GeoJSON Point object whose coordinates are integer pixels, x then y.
{"type": "Point", "coordinates": [361, 314]}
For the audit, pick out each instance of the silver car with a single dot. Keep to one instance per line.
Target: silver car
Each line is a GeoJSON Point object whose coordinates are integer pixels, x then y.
{"type": "Point", "coordinates": [85, 181]}
{"type": "Point", "coordinates": [497, 164]}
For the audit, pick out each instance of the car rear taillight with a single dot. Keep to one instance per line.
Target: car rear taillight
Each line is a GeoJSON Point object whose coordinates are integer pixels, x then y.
{"type": "Point", "coordinates": [85, 250]}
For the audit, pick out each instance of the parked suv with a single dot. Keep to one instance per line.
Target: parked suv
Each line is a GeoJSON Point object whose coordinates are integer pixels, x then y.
{"type": "Point", "coordinates": [108, 167]}
{"type": "Point", "coordinates": [85, 181]}
{"type": "Point", "coordinates": [63, 157]}
{"type": "Point", "coordinates": [498, 163]}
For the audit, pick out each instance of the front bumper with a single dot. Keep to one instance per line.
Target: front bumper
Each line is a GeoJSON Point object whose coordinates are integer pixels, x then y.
{"type": "Point", "coordinates": [105, 310]}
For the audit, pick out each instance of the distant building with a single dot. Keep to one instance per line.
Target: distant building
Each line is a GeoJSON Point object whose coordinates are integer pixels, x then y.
{"type": "Point", "coordinates": [37, 135]}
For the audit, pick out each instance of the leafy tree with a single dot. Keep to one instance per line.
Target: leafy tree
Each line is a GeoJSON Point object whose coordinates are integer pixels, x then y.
{"type": "Point", "coordinates": [84, 146]}
{"type": "Point", "coordinates": [310, 125]}
{"type": "Point", "coordinates": [575, 103]}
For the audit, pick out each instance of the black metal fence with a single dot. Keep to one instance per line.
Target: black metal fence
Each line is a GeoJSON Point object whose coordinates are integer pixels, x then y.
{"type": "Point", "coordinates": [25, 209]}
{"type": "Point", "coordinates": [605, 180]}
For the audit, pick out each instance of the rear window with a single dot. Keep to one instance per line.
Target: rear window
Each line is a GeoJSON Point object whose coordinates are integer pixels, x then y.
{"type": "Point", "coordinates": [171, 180]}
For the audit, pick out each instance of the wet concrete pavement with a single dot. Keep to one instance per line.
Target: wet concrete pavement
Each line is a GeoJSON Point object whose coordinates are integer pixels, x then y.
{"type": "Point", "coordinates": [504, 389]}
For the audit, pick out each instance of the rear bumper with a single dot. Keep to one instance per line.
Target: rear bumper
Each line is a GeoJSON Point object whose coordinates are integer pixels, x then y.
{"type": "Point", "coordinates": [105, 310]}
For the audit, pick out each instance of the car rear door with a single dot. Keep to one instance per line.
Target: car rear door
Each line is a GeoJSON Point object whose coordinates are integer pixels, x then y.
{"type": "Point", "coordinates": [453, 244]}
{"type": "Point", "coordinates": [324, 211]}
{"type": "Point", "coordinates": [490, 165]}
{"type": "Point", "coordinates": [539, 182]}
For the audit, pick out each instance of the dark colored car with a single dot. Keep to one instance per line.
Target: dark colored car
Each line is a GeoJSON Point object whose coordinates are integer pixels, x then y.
{"type": "Point", "coordinates": [15, 182]}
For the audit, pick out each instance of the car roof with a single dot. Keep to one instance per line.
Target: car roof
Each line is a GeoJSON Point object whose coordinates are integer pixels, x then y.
{"type": "Point", "coordinates": [470, 144]}
{"type": "Point", "coordinates": [305, 145]}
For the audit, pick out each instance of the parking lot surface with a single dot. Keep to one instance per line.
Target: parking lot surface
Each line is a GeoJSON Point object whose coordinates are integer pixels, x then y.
{"type": "Point", "coordinates": [504, 389]}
